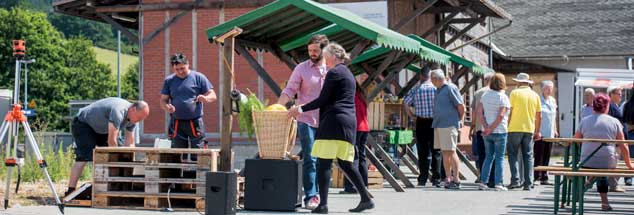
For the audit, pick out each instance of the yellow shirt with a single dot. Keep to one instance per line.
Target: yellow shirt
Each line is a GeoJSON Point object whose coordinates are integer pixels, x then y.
{"type": "Point", "coordinates": [525, 103]}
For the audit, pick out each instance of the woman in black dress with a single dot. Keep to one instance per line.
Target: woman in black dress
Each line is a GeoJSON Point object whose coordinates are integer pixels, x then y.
{"type": "Point", "coordinates": [336, 133]}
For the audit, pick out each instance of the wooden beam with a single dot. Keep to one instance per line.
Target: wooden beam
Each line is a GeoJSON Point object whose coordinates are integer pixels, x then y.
{"type": "Point", "coordinates": [164, 26]}
{"type": "Point", "coordinates": [131, 36]}
{"type": "Point", "coordinates": [382, 85]}
{"type": "Point", "coordinates": [410, 84]}
{"type": "Point", "coordinates": [390, 163]}
{"type": "Point", "coordinates": [461, 33]}
{"type": "Point", "coordinates": [447, 9]}
{"type": "Point", "coordinates": [467, 162]}
{"type": "Point", "coordinates": [471, 82]}
{"type": "Point", "coordinates": [384, 171]}
{"type": "Point", "coordinates": [439, 25]}
{"type": "Point", "coordinates": [226, 163]}
{"type": "Point", "coordinates": [181, 6]}
{"type": "Point", "coordinates": [259, 70]}
{"type": "Point", "coordinates": [406, 20]}
{"type": "Point", "coordinates": [386, 62]}
{"type": "Point", "coordinates": [404, 159]}
{"type": "Point", "coordinates": [465, 20]}
{"type": "Point", "coordinates": [461, 72]}
{"type": "Point", "coordinates": [359, 48]}
{"type": "Point", "coordinates": [410, 153]}
{"type": "Point", "coordinates": [279, 53]}
{"type": "Point", "coordinates": [256, 45]}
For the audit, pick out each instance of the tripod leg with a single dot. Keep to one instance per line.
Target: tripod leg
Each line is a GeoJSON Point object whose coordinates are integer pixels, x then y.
{"type": "Point", "coordinates": [9, 161]}
{"type": "Point", "coordinates": [40, 160]}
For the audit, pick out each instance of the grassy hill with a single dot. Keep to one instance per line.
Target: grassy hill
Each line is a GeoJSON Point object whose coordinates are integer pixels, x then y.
{"type": "Point", "coordinates": [110, 57]}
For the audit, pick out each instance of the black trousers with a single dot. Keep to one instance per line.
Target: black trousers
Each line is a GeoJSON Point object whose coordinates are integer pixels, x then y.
{"type": "Point", "coordinates": [360, 162]}
{"type": "Point", "coordinates": [324, 173]}
{"type": "Point", "coordinates": [542, 158]}
{"type": "Point", "coordinates": [428, 157]}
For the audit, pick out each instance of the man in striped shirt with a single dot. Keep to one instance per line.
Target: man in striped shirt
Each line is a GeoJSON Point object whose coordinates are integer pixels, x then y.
{"type": "Point", "coordinates": [421, 99]}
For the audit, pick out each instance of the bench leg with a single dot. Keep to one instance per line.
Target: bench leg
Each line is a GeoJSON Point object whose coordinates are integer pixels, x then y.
{"type": "Point", "coordinates": [557, 186]}
{"type": "Point", "coordinates": [581, 193]}
{"type": "Point", "coordinates": [575, 195]}
{"type": "Point", "coordinates": [564, 192]}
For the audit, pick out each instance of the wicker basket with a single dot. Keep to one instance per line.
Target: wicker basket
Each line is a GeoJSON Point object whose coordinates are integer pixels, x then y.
{"type": "Point", "coordinates": [275, 134]}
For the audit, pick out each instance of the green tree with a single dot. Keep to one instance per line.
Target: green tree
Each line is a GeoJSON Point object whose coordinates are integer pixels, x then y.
{"type": "Point", "coordinates": [130, 83]}
{"type": "Point", "coordinates": [65, 69]}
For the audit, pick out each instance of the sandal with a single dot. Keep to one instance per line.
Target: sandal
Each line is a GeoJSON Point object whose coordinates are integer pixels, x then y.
{"type": "Point", "coordinates": [606, 208]}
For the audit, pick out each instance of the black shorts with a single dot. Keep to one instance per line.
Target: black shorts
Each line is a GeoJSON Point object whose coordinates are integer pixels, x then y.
{"type": "Point", "coordinates": [86, 139]}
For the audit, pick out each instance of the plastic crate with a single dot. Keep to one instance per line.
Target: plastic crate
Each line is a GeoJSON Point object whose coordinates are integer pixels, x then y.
{"type": "Point", "coordinates": [401, 137]}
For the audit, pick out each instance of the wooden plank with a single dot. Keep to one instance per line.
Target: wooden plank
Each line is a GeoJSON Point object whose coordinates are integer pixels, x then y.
{"type": "Point", "coordinates": [592, 174]}
{"type": "Point", "coordinates": [279, 53]}
{"type": "Point", "coordinates": [439, 25]}
{"type": "Point", "coordinates": [382, 85]}
{"type": "Point", "coordinates": [468, 163]}
{"type": "Point", "coordinates": [382, 67]}
{"type": "Point", "coordinates": [131, 36]}
{"type": "Point", "coordinates": [587, 140]}
{"type": "Point", "coordinates": [410, 153]}
{"type": "Point", "coordinates": [359, 48]}
{"type": "Point", "coordinates": [388, 160]}
{"type": "Point", "coordinates": [468, 85]}
{"type": "Point", "coordinates": [99, 150]}
{"type": "Point", "coordinates": [461, 72]}
{"type": "Point", "coordinates": [259, 70]}
{"type": "Point", "coordinates": [164, 26]}
{"type": "Point", "coordinates": [405, 159]}
{"type": "Point", "coordinates": [180, 6]}
{"type": "Point", "coordinates": [379, 166]}
{"type": "Point", "coordinates": [410, 84]}
{"type": "Point", "coordinates": [144, 180]}
{"type": "Point", "coordinates": [407, 19]}
{"type": "Point", "coordinates": [462, 32]}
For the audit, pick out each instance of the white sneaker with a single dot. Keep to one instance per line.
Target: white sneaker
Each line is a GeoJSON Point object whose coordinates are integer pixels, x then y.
{"type": "Point", "coordinates": [312, 203]}
{"type": "Point", "coordinates": [483, 186]}
{"type": "Point", "coordinates": [500, 188]}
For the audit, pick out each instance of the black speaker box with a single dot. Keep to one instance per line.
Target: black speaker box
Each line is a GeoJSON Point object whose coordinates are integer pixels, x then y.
{"type": "Point", "coordinates": [273, 185]}
{"type": "Point", "coordinates": [221, 193]}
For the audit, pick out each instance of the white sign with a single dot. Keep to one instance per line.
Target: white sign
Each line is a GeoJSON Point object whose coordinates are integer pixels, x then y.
{"type": "Point", "coordinates": [375, 11]}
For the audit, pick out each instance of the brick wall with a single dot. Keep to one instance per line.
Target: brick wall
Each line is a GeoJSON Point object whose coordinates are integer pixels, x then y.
{"type": "Point", "coordinates": [179, 37]}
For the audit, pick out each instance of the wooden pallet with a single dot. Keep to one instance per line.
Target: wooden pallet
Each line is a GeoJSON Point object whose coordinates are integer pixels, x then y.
{"type": "Point", "coordinates": [375, 179]}
{"type": "Point", "coordinates": [143, 177]}
{"type": "Point", "coordinates": [179, 202]}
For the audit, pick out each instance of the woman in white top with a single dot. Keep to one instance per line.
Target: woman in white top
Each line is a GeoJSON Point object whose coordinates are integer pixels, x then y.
{"type": "Point", "coordinates": [493, 112]}
{"type": "Point", "coordinates": [548, 129]}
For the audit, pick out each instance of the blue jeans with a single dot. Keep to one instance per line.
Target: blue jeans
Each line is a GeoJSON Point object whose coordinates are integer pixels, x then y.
{"type": "Point", "coordinates": [309, 169]}
{"type": "Point", "coordinates": [524, 141]}
{"type": "Point", "coordinates": [495, 145]}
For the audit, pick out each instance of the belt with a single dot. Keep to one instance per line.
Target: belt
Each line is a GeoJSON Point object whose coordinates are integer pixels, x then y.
{"type": "Point", "coordinates": [418, 117]}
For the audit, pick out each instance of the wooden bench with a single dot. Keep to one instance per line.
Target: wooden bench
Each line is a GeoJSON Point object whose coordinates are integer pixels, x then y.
{"type": "Point", "coordinates": [578, 184]}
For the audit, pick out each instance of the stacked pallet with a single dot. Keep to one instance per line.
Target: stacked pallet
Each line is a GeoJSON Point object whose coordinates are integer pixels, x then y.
{"type": "Point", "coordinates": [151, 178]}
{"type": "Point", "coordinates": [375, 179]}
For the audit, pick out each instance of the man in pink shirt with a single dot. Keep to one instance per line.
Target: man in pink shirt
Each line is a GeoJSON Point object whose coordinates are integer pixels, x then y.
{"type": "Point", "coordinates": [305, 83]}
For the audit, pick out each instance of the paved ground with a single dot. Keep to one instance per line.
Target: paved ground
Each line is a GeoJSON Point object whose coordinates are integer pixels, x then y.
{"type": "Point", "coordinates": [419, 201]}
{"type": "Point", "coordinates": [415, 201]}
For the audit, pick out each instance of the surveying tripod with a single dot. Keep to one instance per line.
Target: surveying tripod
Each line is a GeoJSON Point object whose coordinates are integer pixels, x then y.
{"type": "Point", "coordinates": [10, 128]}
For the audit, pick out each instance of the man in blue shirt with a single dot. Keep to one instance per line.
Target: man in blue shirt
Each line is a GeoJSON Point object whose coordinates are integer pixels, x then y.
{"type": "Point", "coordinates": [182, 96]}
{"type": "Point", "coordinates": [448, 113]}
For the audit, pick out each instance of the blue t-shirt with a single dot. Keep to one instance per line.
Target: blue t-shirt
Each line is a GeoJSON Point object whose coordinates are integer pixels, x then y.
{"type": "Point", "coordinates": [183, 92]}
{"type": "Point", "coordinates": [446, 102]}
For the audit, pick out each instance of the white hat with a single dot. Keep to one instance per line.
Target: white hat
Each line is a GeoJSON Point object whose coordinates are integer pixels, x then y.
{"type": "Point", "coordinates": [523, 77]}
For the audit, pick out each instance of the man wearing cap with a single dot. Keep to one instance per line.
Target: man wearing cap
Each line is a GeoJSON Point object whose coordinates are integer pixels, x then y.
{"type": "Point", "coordinates": [525, 114]}
{"type": "Point", "coordinates": [182, 96]}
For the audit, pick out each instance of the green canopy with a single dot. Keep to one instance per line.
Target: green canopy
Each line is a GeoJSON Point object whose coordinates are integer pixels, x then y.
{"type": "Point", "coordinates": [284, 21]}
{"type": "Point", "coordinates": [453, 57]}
